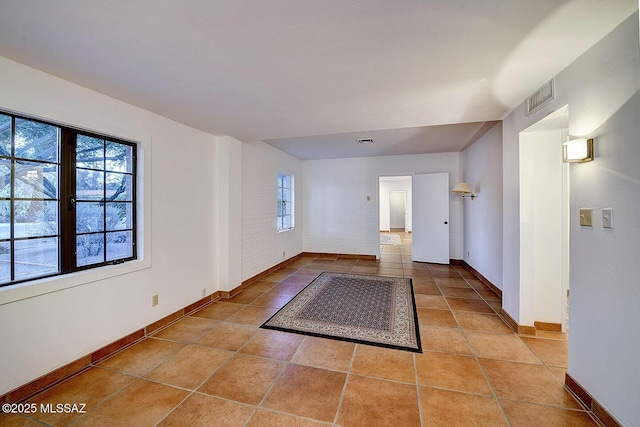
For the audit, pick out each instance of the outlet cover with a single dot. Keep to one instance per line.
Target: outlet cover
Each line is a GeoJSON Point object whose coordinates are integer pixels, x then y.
{"type": "Point", "coordinates": [586, 217]}
{"type": "Point", "coordinates": [154, 300]}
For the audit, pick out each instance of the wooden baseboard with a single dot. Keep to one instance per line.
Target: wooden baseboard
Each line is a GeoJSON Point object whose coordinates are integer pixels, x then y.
{"type": "Point", "coordinates": [546, 326]}
{"type": "Point", "coordinates": [496, 290]}
{"type": "Point", "coordinates": [592, 404]}
{"type": "Point", "coordinates": [519, 329]}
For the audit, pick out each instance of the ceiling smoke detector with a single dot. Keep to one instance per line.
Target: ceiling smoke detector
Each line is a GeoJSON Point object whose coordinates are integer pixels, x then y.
{"type": "Point", "coordinates": [365, 141]}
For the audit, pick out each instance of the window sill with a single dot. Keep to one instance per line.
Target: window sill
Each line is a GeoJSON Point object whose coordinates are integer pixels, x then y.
{"type": "Point", "coordinates": [286, 229]}
{"type": "Point", "coordinates": [35, 288]}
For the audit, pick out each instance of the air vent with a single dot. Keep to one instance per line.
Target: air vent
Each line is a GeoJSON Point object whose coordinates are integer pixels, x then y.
{"type": "Point", "coordinates": [365, 141]}
{"type": "Point", "coordinates": [541, 97]}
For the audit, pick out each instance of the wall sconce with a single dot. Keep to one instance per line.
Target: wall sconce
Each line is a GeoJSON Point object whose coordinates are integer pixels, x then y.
{"type": "Point", "coordinates": [464, 190]}
{"type": "Point", "coordinates": [577, 151]}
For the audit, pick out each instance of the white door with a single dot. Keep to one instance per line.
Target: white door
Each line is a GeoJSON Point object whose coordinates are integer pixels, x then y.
{"type": "Point", "coordinates": [397, 209]}
{"type": "Point", "coordinates": [430, 199]}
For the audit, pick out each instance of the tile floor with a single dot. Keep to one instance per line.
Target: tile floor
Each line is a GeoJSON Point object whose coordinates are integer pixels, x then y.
{"type": "Point", "coordinates": [217, 368]}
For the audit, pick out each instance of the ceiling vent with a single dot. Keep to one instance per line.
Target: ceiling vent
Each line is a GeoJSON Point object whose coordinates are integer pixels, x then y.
{"type": "Point", "coordinates": [365, 141]}
{"type": "Point", "coordinates": [541, 97]}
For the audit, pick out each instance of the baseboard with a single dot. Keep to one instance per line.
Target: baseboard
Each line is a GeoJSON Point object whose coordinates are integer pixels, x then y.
{"type": "Point", "coordinates": [519, 329]}
{"type": "Point", "coordinates": [496, 290]}
{"type": "Point", "coordinates": [546, 326]}
{"type": "Point", "coordinates": [70, 369]}
{"type": "Point", "coordinates": [592, 404]}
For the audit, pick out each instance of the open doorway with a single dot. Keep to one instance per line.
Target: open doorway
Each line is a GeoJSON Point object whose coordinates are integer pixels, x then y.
{"type": "Point", "coordinates": [544, 224]}
{"type": "Point", "coordinates": [394, 210]}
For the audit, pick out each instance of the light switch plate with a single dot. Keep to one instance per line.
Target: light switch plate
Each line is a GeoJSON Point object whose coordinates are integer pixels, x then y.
{"type": "Point", "coordinates": [607, 218]}
{"type": "Point", "coordinates": [586, 217]}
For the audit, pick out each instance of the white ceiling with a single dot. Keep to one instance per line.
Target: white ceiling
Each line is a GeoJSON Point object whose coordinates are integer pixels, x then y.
{"type": "Point", "coordinates": [283, 70]}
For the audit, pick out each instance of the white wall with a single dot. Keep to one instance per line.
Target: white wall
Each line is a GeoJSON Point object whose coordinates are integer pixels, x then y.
{"type": "Point", "coordinates": [262, 245]}
{"type": "Point", "coordinates": [339, 219]}
{"type": "Point", "coordinates": [482, 164]}
{"type": "Point", "coordinates": [47, 324]}
{"type": "Point", "coordinates": [541, 227]}
{"type": "Point", "coordinates": [388, 184]}
{"type": "Point", "coordinates": [601, 89]}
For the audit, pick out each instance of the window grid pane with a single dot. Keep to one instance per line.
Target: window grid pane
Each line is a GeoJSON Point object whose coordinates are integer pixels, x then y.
{"type": "Point", "coordinates": [285, 219]}
{"type": "Point", "coordinates": [63, 207]}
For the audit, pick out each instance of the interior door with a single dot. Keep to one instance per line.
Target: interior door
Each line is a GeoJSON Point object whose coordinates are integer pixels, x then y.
{"type": "Point", "coordinates": [397, 209]}
{"type": "Point", "coordinates": [430, 199]}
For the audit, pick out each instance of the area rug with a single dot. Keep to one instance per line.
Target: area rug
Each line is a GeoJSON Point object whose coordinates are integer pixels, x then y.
{"type": "Point", "coordinates": [373, 310]}
{"type": "Point", "coordinates": [389, 239]}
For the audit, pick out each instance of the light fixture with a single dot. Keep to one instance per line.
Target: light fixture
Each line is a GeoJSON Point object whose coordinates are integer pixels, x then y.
{"type": "Point", "coordinates": [577, 151]}
{"type": "Point", "coordinates": [464, 190]}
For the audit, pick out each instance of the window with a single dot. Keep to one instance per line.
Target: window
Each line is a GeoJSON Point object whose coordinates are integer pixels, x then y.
{"type": "Point", "coordinates": [67, 200]}
{"type": "Point", "coordinates": [285, 220]}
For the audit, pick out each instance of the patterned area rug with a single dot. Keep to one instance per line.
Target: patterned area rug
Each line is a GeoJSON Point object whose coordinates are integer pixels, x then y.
{"type": "Point", "coordinates": [389, 239]}
{"type": "Point", "coordinates": [371, 310]}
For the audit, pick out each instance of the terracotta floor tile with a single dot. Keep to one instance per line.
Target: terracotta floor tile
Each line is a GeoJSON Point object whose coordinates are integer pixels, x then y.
{"type": "Point", "coordinates": [228, 336]}
{"type": "Point", "coordinates": [500, 346]}
{"type": "Point", "coordinates": [204, 411]}
{"type": "Point", "coordinates": [552, 352]}
{"type": "Point", "coordinates": [527, 414]}
{"type": "Point", "coordinates": [189, 367]}
{"type": "Point", "coordinates": [488, 295]}
{"type": "Point", "coordinates": [482, 322]}
{"type": "Point", "coordinates": [187, 329]}
{"type": "Point", "coordinates": [17, 420]}
{"type": "Point", "coordinates": [449, 291]}
{"type": "Point", "coordinates": [143, 403]}
{"type": "Point", "coordinates": [276, 277]}
{"type": "Point", "coordinates": [431, 301]}
{"type": "Point", "coordinates": [276, 299]}
{"type": "Point", "coordinates": [308, 392]}
{"type": "Point", "coordinates": [451, 409]}
{"type": "Point", "coordinates": [423, 280]}
{"type": "Point", "coordinates": [390, 272]}
{"type": "Point", "coordinates": [447, 340]}
{"type": "Point", "coordinates": [90, 387]}
{"type": "Point", "coordinates": [526, 382]}
{"type": "Point", "coordinates": [425, 289]}
{"type": "Point", "coordinates": [452, 282]}
{"type": "Point", "coordinates": [446, 274]}
{"type": "Point", "coordinates": [559, 373]}
{"type": "Point", "coordinates": [364, 269]}
{"type": "Point", "coordinates": [252, 315]}
{"type": "Point", "coordinates": [244, 379]}
{"type": "Point", "coordinates": [141, 357]}
{"type": "Point", "coordinates": [325, 353]}
{"type": "Point", "coordinates": [427, 316]}
{"type": "Point", "coordinates": [466, 304]}
{"type": "Point", "coordinates": [219, 310]}
{"type": "Point", "coordinates": [261, 286]}
{"type": "Point", "coordinates": [552, 335]}
{"type": "Point", "coordinates": [396, 365]}
{"type": "Point", "coordinates": [453, 372]}
{"type": "Point", "coordinates": [245, 297]}
{"type": "Point", "coordinates": [264, 418]}
{"type": "Point", "coordinates": [273, 344]}
{"type": "Point", "coordinates": [372, 402]}
{"type": "Point", "coordinates": [496, 306]}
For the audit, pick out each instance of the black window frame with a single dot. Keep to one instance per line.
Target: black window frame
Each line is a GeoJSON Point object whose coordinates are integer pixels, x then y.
{"type": "Point", "coordinates": [67, 233]}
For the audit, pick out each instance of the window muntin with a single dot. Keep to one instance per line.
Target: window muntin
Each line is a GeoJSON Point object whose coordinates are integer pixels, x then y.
{"type": "Point", "coordinates": [67, 200]}
{"type": "Point", "coordinates": [286, 218]}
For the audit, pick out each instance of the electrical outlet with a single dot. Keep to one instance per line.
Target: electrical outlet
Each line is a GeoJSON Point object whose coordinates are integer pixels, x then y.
{"type": "Point", "coordinates": [204, 292]}
{"type": "Point", "coordinates": [154, 300]}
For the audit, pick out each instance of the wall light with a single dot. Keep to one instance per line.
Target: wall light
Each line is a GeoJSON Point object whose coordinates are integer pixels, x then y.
{"type": "Point", "coordinates": [577, 151]}
{"type": "Point", "coordinates": [464, 190]}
